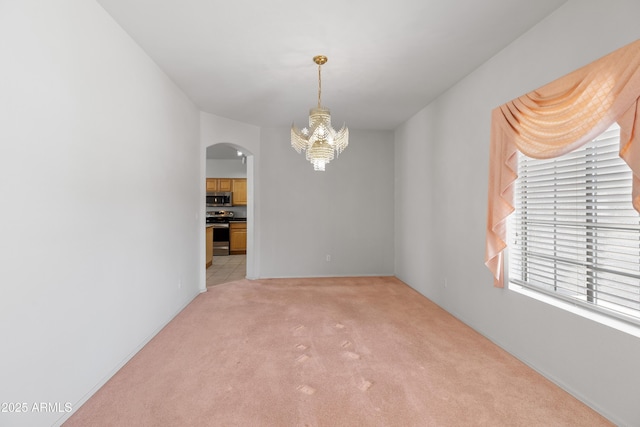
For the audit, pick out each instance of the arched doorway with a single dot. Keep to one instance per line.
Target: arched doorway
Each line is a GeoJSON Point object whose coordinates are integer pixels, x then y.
{"type": "Point", "coordinates": [230, 164]}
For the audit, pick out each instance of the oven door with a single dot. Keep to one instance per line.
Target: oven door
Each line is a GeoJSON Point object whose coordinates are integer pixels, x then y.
{"type": "Point", "coordinates": [220, 239]}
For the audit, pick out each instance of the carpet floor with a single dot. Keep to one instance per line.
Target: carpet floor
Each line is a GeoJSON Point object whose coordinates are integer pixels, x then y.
{"type": "Point", "coordinates": [364, 351]}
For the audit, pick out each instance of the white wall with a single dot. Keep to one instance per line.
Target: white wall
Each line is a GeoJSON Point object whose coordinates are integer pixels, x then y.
{"type": "Point", "coordinates": [596, 363]}
{"type": "Point", "coordinates": [99, 159]}
{"type": "Point", "coordinates": [345, 212]}
{"type": "Point", "coordinates": [226, 168]}
{"type": "Point", "coordinates": [351, 203]}
{"type": "Point", "coordinates": [414, 212]}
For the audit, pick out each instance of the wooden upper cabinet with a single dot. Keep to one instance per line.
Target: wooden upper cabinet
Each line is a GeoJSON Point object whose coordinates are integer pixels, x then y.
{"type": "Point", "coordinates": [239, 186]}
{"type": "Point", "coordinates": [219, 184]}
{"type": "Point", "coordinates": [236, 185]}
{"type": "Point", "coordinates": [212, 185]}
{"type": "Point", "coordinates": [224, 184]}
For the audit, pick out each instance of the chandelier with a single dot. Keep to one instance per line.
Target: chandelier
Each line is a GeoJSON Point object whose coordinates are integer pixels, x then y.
{"type": "Point", "coordinates": [319, 140]}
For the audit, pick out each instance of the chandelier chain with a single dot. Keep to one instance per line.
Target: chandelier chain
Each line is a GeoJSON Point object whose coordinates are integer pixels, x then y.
{"type": "Point", "coordinates": [319, 84]}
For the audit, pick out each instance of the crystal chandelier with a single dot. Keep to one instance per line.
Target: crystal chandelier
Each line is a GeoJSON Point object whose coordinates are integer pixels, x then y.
{"type": "Point", "coordinates": [319, 140]}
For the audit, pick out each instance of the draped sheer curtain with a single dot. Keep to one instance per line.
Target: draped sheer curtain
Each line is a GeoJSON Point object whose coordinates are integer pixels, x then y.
{"type": "Point", "coordinates": [556, 119]}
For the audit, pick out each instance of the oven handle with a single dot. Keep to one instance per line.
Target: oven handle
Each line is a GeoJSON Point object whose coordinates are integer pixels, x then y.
{"type": "Point", "coordinates": [220, 225]}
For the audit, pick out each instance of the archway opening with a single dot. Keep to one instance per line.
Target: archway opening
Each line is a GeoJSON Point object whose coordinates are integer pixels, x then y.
{"type": "Point", "coordinates": [228, 169]}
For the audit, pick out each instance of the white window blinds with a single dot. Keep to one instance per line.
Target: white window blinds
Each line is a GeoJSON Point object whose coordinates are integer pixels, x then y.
{"type": "Point", "coordinates": [575, 233]}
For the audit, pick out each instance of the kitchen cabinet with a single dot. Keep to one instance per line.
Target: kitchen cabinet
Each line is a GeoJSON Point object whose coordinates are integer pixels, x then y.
{"type": "Point", "coordinates": [239, 188]}
{"type": "Point", "coordinates": [209, 241]}
{"type": "Point", "coordinates": [218, 184]}
{"type": "Point", "coordinates": [237, 238]}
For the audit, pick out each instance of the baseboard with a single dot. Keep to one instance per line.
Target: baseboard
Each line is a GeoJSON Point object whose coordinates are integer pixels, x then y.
{"type": "Point", "coordinates": [324, 276]}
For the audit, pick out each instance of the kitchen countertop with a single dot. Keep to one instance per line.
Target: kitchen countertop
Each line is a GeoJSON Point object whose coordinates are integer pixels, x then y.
{"type": "Point", "coordinates": [238, 220]}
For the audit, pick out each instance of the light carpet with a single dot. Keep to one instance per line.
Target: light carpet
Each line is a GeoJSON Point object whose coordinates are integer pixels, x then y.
{"type": "Point", "coordinates": [365, 351]}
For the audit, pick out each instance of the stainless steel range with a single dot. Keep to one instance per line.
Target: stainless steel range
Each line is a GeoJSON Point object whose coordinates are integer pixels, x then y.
{"type": "Point", "coordinates": [220, 221]}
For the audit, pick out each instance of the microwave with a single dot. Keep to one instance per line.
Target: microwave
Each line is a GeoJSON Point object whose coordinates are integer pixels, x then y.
{"type": "Point", "coordinates": [220, 199]}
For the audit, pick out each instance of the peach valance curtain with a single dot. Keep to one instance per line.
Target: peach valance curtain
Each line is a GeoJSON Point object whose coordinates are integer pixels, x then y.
{"type": "Point", "coordinates": [556, 119]}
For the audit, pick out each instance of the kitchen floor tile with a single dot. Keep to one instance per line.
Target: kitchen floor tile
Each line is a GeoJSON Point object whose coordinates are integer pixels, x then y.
{"type": "Point", "coordinates": [226, 269]}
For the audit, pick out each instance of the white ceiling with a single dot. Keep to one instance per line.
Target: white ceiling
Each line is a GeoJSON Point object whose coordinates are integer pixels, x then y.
{"type": "Point", "coordinates": [252, 60]}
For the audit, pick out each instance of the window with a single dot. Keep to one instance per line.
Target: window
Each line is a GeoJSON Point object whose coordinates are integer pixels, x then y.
{"type": "Point", "coordinates": [574, 233]}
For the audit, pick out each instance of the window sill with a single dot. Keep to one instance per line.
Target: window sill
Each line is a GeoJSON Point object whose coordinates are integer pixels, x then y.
{"type": "Point", "coordinates": [612, 322]}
